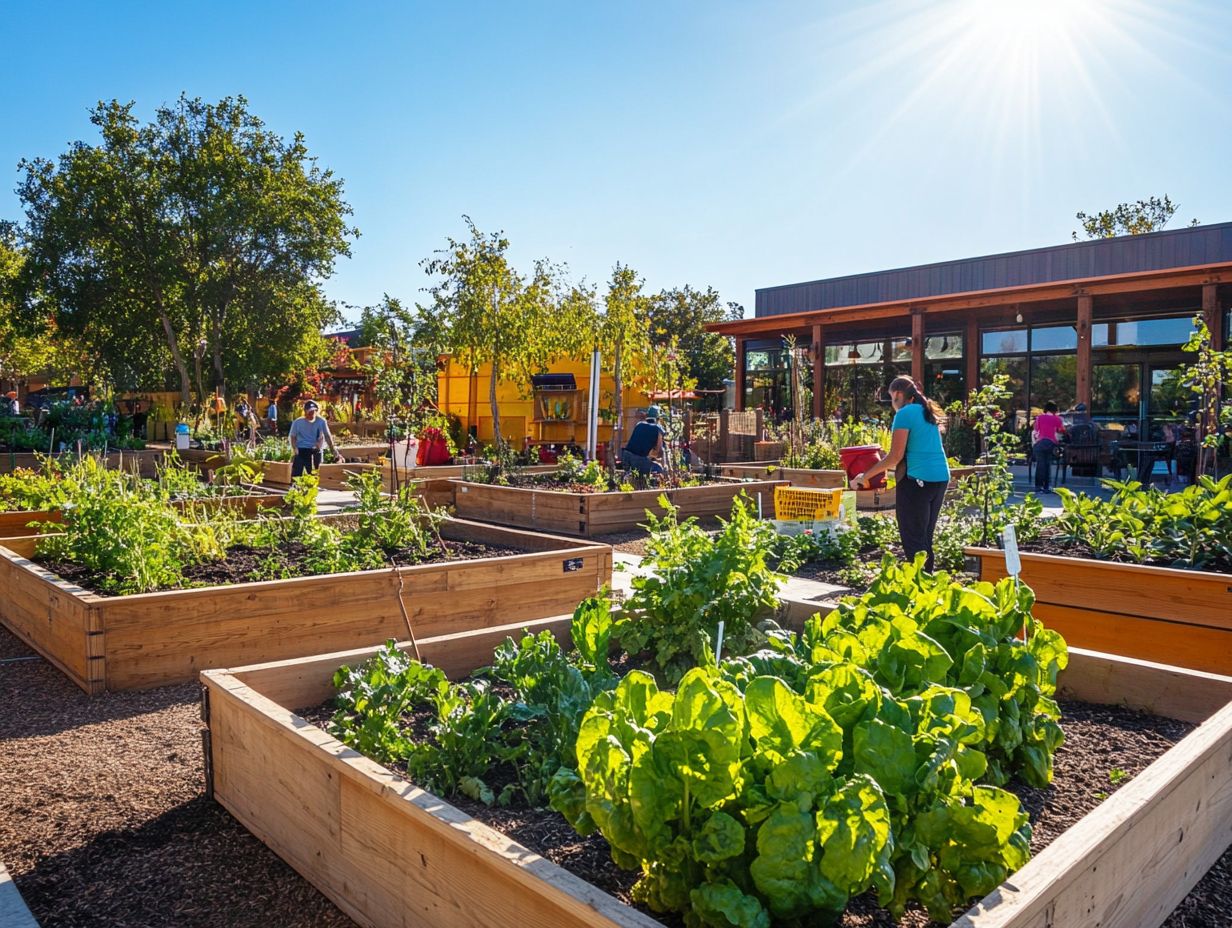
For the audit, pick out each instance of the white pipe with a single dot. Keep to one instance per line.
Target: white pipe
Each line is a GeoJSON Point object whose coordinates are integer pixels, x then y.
{"type": "Point", "coordinates": [592, 418]}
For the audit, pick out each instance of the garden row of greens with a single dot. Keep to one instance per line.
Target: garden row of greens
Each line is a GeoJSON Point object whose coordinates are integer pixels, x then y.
{"type": "Point", "coordinates": [95, 426]}
{"type": "Point", "coordinates": [57, 482]}
{"type": "Point", "coordinates": [865, 754]}
{"type": "Point", "coordinates": [129, 537]}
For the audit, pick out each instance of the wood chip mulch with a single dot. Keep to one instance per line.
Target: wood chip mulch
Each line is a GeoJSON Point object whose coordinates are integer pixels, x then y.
{"type": "Point", "coordinates": [103, 823]}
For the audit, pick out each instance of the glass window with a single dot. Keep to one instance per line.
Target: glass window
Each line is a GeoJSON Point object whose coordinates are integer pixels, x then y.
{"type": "Point", "coordinates": [1054, 338]}
{"type": "Point", "coordinates": [763, 360]}
{"type": "Point", "coordinates": [860, 353]}
{"type": "Point", "coordinates": [1053, 377]}
{"type": "Point", "coordinates": [900, 349]}
{"type": "Point", "coordinates": [944, 381]}
{"type": "Point", "coordinates": [1116, 391]}
{"type": "Point", "coordinates": [1170, 399]}
{"type": "Point", "coordinates": [1140, 332]}
{"type": "Point", "coordinates": [941, 347]}
{"type": "Point", "coordinates": [1007, 341]}
{"type": "Point", "coordinates": [1016, 368]}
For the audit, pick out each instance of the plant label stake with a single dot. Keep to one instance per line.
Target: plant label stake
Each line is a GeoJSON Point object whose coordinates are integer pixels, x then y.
{"type": "Point", "coordinates": [1013, 563]}
{"type": "Point", "coordinates": [718, 645]}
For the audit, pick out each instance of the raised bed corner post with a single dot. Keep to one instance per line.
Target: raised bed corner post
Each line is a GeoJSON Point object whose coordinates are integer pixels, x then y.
{"type": "Point", "coordinates": [207, 745]}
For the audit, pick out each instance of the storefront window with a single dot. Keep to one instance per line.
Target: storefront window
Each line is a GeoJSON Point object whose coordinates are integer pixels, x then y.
{"type": "Point", "coordinates": [1116, 392]}
{"type": "Point", "coordinates": [1174, 330]}
{"type": "Point", "coordinates": [1017, 369]}
{"type": "Point", "coordinates": [1007, 341]}
{"type": "Point", "coordinates": [1053, 377]}
{"type": "Point", "coordinates": [945, 381]}
{"type": "Point", "coordinates": [1054, 338]}
{"type": "Point", "coordinates": [943, 347]}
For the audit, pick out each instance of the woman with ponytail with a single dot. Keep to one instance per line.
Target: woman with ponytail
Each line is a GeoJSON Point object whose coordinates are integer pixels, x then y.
{"type": "Point", "coordinates": [919, 464]}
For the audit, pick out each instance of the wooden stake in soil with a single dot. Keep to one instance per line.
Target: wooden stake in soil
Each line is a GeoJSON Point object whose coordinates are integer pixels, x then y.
{"type": "Point", "coordinates": [405, 615]}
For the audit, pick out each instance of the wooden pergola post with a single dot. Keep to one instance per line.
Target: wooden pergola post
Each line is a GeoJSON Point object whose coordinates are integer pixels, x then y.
{"type": "Point", "coordinates": [971, 355]}
{"type": "Point", "coordinates": [917, 345]}
{"type": "Point", "coordinates": [819, 372]}
{"type": "Point", "coordinates": [738, 405]}
{"type": "Point", "coordinates": [1084, 351]}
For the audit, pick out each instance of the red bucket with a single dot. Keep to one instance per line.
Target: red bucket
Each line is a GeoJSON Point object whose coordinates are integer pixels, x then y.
{"type": "Point", "coordinates": [858, 459]}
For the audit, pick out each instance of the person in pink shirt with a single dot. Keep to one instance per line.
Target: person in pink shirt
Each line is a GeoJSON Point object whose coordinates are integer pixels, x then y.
{"type": "Point", "coordinates": [1045, 435]}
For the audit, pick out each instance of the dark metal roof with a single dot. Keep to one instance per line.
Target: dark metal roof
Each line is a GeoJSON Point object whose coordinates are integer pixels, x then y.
{"type": "Point", "coordinates": [1153, 251]}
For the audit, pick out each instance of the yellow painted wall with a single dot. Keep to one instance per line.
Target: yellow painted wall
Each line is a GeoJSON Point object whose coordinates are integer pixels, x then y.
{"type": "Point", "coordinates": [455, 383]}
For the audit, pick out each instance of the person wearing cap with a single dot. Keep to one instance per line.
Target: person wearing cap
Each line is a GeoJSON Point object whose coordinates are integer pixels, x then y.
{"type": "Point", "coordinates": [645, 440]}
{"type": "Point", "coordinates": [13, 406]}
{"type": "Point", "coordinates": [307, 436]}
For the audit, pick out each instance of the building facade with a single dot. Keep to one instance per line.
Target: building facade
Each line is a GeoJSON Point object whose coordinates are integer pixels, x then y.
{"type": "Point", "coordinates": [1098, 322]}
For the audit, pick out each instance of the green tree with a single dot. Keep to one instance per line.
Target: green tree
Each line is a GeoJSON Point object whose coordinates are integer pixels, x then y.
{"type": "Point", "coordinates": [1208, 376]}
{"type": "Point", "coordinates": [624, 336]}
{"type": "Point", "coordinates": [1149, 215]}
{"type": "Point", "coordinates": [404, 366]}
{"type": "Point", "coordinates": [200, 239]}
{"type": "Point", "coordinates": [28, 346]}
{"type": "Point", "coordinates": [682, 313]}
{"type": "Point", "coordinates": [493, 315]}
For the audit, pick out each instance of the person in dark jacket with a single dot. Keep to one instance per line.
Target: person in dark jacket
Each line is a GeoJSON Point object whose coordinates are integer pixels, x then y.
{"type": "Point", "coordinates": [645, 440]}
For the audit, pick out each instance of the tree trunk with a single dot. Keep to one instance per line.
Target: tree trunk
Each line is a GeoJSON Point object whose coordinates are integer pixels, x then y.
{"type": "Point", "coordinates": [219, 375]}
{"type": "Point", "coordinates": [172, 343]}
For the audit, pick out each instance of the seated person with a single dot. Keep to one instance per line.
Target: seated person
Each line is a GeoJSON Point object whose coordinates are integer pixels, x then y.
{"type": "Point", "coordinates": [647, 439]}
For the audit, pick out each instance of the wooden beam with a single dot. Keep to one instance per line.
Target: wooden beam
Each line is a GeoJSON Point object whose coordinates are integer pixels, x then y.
{"type": "Point", "coordinates": [1194, 276]}
{"type": "Point", "coordinates": [819, 372]}
{"type": "Point", "coordinates": [972, 354]}
{"type": "Point", "coordinates": [917, 344]}
{"type": "Point", "coordinates": [739, 374]}
{"type": "Point", "coordinates": [1214, 318]}
{"type": "Point", "coordinates": [1084, 351]}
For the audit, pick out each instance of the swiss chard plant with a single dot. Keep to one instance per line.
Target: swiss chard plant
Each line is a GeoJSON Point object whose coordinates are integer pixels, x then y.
{"type": "Point", "coordinates": [864, 754]}
{"type": "Point", "coordinates": [693, 581]}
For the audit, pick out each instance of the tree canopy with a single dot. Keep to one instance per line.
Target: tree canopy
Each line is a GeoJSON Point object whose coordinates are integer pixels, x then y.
{"type": "Point", "coordinates": [195, 243]}
{"type": "Point", "coordinates": [682, 313]}
{"type": "Point", "coordinates": [1148, 215]}
{"type": "Point", "coordinates": [492, 314]}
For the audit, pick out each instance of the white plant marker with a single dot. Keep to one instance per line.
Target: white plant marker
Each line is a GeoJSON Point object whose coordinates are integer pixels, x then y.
{"type": "Point", "coordinates": [718, 645]}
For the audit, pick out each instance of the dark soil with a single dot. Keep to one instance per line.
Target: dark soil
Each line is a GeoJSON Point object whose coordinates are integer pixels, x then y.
{"type": "Point", "coordinates": [245, 564]}
{"type": "Point", "coordinates": [1050, 543]}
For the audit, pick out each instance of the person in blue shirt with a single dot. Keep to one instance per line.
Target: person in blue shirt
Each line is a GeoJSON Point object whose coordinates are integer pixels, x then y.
{"type": "Point", "coordinates": [307, 436]}
{"type": "Point", "coordinates": [645, 440]}
{"type": "Point", "coordinates": [922, 482]}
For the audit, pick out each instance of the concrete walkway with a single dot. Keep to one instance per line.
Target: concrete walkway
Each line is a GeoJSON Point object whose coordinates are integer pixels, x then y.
{"type": "Point", "coordinates": [13, 910]}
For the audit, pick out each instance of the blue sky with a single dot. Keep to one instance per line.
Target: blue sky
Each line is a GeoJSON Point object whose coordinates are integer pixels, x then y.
{"type": "Point", "coordinates": [736, 145]}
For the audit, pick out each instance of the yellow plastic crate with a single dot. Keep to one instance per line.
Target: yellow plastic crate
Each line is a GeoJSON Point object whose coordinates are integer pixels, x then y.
{"type": "Point", "coordinates": [805, 504]}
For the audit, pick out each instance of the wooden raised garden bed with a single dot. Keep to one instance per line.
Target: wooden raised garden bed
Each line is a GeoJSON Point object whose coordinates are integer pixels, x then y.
{"type": "Point", "coordinates": [436, 485]}
{"type": "Point", "coordinates": [590, 514]}
{"type": "Point", "coordinates": [797, 476]}
{"type": "Point", "coordinates": [390, 854]}
{"type": "Point", "coordinates": [143, 463]}
{"type": "Point", "coordinates": [152, 639]}
{"type": "Point", "coordinates": [1182, 617]}
{"type": "Point", "coordinates": [329, 476]}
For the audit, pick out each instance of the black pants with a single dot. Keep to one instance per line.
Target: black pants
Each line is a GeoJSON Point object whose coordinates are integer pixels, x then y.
{"type": "Point", "coordinates": [1043, 463]}
{"type": "Point", "coordinates": [916, 507]}
{"type": "Point", "coordinates": [307, 460]}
